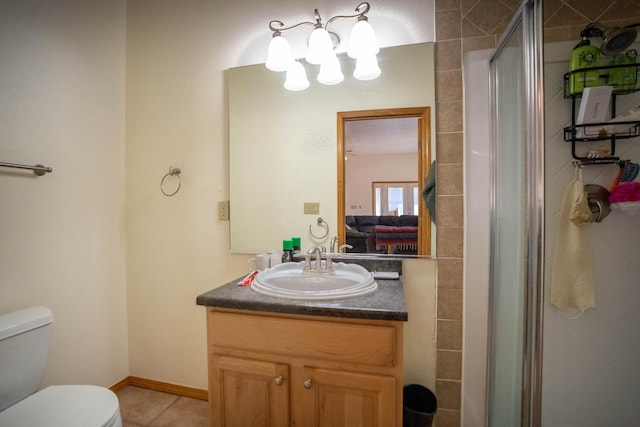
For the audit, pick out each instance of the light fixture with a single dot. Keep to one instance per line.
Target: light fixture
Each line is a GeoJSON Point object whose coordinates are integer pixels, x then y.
{"type": "Point", "coordinates": [330, 70]}
{"type": "Point", "coordinates": [362, 48]}
{"type": "Point", "coordinates": [296, 78]}
{"type": "Point", "coordinates": [367, 67]}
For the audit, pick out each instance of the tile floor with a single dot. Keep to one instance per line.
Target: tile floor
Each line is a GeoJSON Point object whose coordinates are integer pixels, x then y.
{"type": "Point", "coordinates": [141, 407]}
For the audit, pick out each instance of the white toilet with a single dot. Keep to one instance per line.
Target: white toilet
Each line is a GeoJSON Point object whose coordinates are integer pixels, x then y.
{"type": "Point", "coordinates": [24, 343]}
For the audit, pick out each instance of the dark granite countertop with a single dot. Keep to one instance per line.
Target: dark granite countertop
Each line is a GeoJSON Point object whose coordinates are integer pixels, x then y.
{"type": "Point", "coordinates": [387, 303]}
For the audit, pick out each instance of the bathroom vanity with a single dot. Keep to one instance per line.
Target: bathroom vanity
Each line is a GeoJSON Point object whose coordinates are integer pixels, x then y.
{"type": "Point", "coordinates": [278, 362]}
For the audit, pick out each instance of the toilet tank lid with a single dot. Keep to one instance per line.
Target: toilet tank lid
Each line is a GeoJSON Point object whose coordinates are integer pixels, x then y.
{"type": "Point", "coordinates": [24, 320]}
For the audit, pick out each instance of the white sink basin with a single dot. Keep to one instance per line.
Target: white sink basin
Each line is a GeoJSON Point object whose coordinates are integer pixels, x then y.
{"type": "Point", "coordinates": [289, 281]}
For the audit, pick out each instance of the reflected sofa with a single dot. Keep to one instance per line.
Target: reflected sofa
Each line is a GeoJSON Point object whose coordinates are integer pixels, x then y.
{"type": "Point", "coordinates": [382, 234]}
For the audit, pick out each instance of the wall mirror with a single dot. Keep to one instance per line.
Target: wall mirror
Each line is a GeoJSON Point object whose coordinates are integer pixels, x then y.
{"type": "Point", "coordinates": [283, 145]}
{"type": "Point", "coordinates": [383, 163]}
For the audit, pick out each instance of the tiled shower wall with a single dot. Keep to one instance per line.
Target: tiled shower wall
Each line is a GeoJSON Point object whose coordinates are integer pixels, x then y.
{"type": "Point", "coordinates": [465, 25]}
{"type": "Point", "coordinates": [590, 375]}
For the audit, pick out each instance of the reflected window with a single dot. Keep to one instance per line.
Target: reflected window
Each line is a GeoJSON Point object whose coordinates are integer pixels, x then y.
{"type": "Point", "coordinates": [395, 198]}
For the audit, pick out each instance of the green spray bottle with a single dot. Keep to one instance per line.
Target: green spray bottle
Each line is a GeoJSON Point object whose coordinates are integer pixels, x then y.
{"type": "Point", "coordinates": [584, 55]}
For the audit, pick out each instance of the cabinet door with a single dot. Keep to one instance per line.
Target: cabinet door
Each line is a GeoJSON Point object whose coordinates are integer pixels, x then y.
{"type": "Point", "coordinates": [249, 393]}
{"type": "Point", "coordinates": [347, 399]}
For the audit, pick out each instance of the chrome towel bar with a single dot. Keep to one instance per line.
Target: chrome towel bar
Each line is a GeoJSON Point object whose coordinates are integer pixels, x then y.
{"type": "Point", "coordinates": [37, 169]}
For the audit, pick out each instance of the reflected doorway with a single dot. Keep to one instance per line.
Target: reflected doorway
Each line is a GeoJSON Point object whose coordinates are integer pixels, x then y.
{"type": "Point", "coordinates": [383, 162]}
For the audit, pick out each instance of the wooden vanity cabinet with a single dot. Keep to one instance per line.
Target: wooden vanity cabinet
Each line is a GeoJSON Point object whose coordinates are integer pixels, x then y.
{"type": "Point", "coordinates": [272, 370]}
{"type": "Point", "coordinates": [250, 393]}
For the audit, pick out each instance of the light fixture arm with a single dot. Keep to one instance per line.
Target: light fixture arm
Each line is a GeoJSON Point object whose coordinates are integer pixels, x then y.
{"type": "Point", "coordinates": [283, 28]}
{"type": "Point", "coordinates": [316, 12]}
{"type": "Point", "coordinates": [278, 26]}
{"type": "Point", "coordinates": [359, 15]}
{"type": "Point", "coordinates": [322, 45]}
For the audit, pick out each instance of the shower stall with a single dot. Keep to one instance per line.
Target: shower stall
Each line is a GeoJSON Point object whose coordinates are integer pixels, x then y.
{"type": "Point", "coordinates": [538, 368]}
{"type": "Point", "coordinates": [516, 274]}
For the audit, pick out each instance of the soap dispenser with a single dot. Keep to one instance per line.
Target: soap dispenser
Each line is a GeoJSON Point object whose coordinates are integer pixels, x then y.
{"type": "Point", "coordinates": [584, 55]}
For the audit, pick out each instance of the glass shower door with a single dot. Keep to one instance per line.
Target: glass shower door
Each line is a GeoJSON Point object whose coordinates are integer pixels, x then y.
{"type": "Point", "coordinates": [516, 225]}
{"type": "Point", "coordinates": [508, 247]}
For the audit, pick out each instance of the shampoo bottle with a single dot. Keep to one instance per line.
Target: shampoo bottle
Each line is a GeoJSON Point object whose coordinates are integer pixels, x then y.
{"type": "Point", "coordinates": [584, 55]}
{"type": "Point", "coordinates": [623, 78]}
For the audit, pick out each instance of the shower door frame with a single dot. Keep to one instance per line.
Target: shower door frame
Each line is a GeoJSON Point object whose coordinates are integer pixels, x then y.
{"type": "Point", "coordinates": [530, 17]}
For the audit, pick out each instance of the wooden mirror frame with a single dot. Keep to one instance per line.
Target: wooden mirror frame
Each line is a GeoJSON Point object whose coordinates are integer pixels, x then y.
{"type": "Point", "coordinates": [423, 114]}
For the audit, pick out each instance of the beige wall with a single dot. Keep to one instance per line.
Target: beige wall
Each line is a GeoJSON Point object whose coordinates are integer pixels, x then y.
{"type": "Point", "coordinates": [62, 241]}
{"type": "Point", "coordinates": [460, 26]}
{"type": "Point", "coordinates": [63, 71]}
{"type": "Point", "coordinates": [176, 247]}
{"type": "Point", "coordinates": [363, 170]}
{"type": "Point", "coordinates": [176, 115]}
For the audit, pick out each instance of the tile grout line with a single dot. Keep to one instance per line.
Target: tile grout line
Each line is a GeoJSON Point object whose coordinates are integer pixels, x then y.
{"type": "Point", "coordinates": [164, 411]}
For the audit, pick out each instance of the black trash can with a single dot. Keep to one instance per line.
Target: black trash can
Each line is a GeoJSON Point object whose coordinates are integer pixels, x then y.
{"type": "Point", "coordinates": [419, 406]}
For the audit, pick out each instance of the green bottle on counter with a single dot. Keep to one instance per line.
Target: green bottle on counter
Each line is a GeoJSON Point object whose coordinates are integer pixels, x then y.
{"type": "Point", "coordinates": [584, 55]}
{"type": "Point", "coordinates": [287, 250]}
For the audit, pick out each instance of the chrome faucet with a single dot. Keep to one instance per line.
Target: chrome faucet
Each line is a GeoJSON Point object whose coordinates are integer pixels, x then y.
{"type": "Point", "coordinates": [334, 244]}
{"type": "Point", "coordinates": [317, 250]}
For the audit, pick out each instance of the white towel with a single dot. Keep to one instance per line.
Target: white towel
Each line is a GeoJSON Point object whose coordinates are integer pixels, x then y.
{"type": "Point", "coordinates": [571, 274]}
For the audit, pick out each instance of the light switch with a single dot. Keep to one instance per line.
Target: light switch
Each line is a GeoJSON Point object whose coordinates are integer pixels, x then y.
{"type": "Point", "coordinates": [311, 208]}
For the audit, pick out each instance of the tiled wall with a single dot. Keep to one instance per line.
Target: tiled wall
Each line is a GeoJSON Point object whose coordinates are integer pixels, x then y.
{"type": "Point", "coordinates": [465, 25]}
{"type": "Point", "coordinates": [590, 375]}
{"type": "Point", "coordinates": [460, 25]}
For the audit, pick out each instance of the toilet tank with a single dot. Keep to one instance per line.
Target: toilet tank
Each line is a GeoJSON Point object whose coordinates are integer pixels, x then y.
{"type": "Point", "coordinates": [24, 342]}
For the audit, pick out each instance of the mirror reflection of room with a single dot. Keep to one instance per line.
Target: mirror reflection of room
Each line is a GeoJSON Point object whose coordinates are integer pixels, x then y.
{"type": "Point", "coordinates": [381, 185]}
{"type": "Point", "coordinates": [291, 145]}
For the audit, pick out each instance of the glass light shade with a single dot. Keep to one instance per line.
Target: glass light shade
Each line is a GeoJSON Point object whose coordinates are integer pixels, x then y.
{"type": "Point", "coordinates": [330, 71]}
{"type": "Point", "coordinates": [296, 77]}
{"type": "Point", "coordinates": [279, 57]}
{"type": "Point", "coordinates": [363, 40]}
{"type": "Point", "coordinates": [367, 68]}
{"type": "Point", "coordinates": [320, 46]}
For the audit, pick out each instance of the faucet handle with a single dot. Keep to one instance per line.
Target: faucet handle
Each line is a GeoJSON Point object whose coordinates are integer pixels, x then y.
{"type": "Point", "coordinates": [343, 247]}
{"type": "Point", "coordinates": [307, 262]}
{"type": "Point", "coordinates": [328, 266]}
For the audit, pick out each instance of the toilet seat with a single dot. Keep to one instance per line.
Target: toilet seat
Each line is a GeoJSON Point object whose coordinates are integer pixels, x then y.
{"type": "Point", "coordinates": [65, 406]}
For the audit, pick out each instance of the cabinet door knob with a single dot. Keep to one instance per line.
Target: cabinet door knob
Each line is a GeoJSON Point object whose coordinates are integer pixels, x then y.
{"type": "Point", "coordinates": [279, 380]}
{"type": "Point", "coordinates": [307, 383]}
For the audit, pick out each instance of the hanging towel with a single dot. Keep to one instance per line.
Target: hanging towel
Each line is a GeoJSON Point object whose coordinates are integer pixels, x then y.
{"type": "Point", "coordinates": [429, 192]}
{"type": "Point", "coordinates": [571, 271]}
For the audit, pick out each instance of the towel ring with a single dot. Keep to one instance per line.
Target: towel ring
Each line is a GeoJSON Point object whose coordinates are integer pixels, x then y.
{"type": "Point", "coordinates": [172, 172]}
{"type": "Point", "coordinates": [321, 223]}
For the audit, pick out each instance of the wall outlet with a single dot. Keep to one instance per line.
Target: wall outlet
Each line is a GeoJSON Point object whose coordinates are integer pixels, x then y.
{"type": "Point", "coordinates": [223, 211]}
{"type": "Point", "coordinates": [311, 208]}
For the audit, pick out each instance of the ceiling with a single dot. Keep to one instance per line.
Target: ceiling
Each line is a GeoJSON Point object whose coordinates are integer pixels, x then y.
{"type": "Point", "coordinates": [381, 136]}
